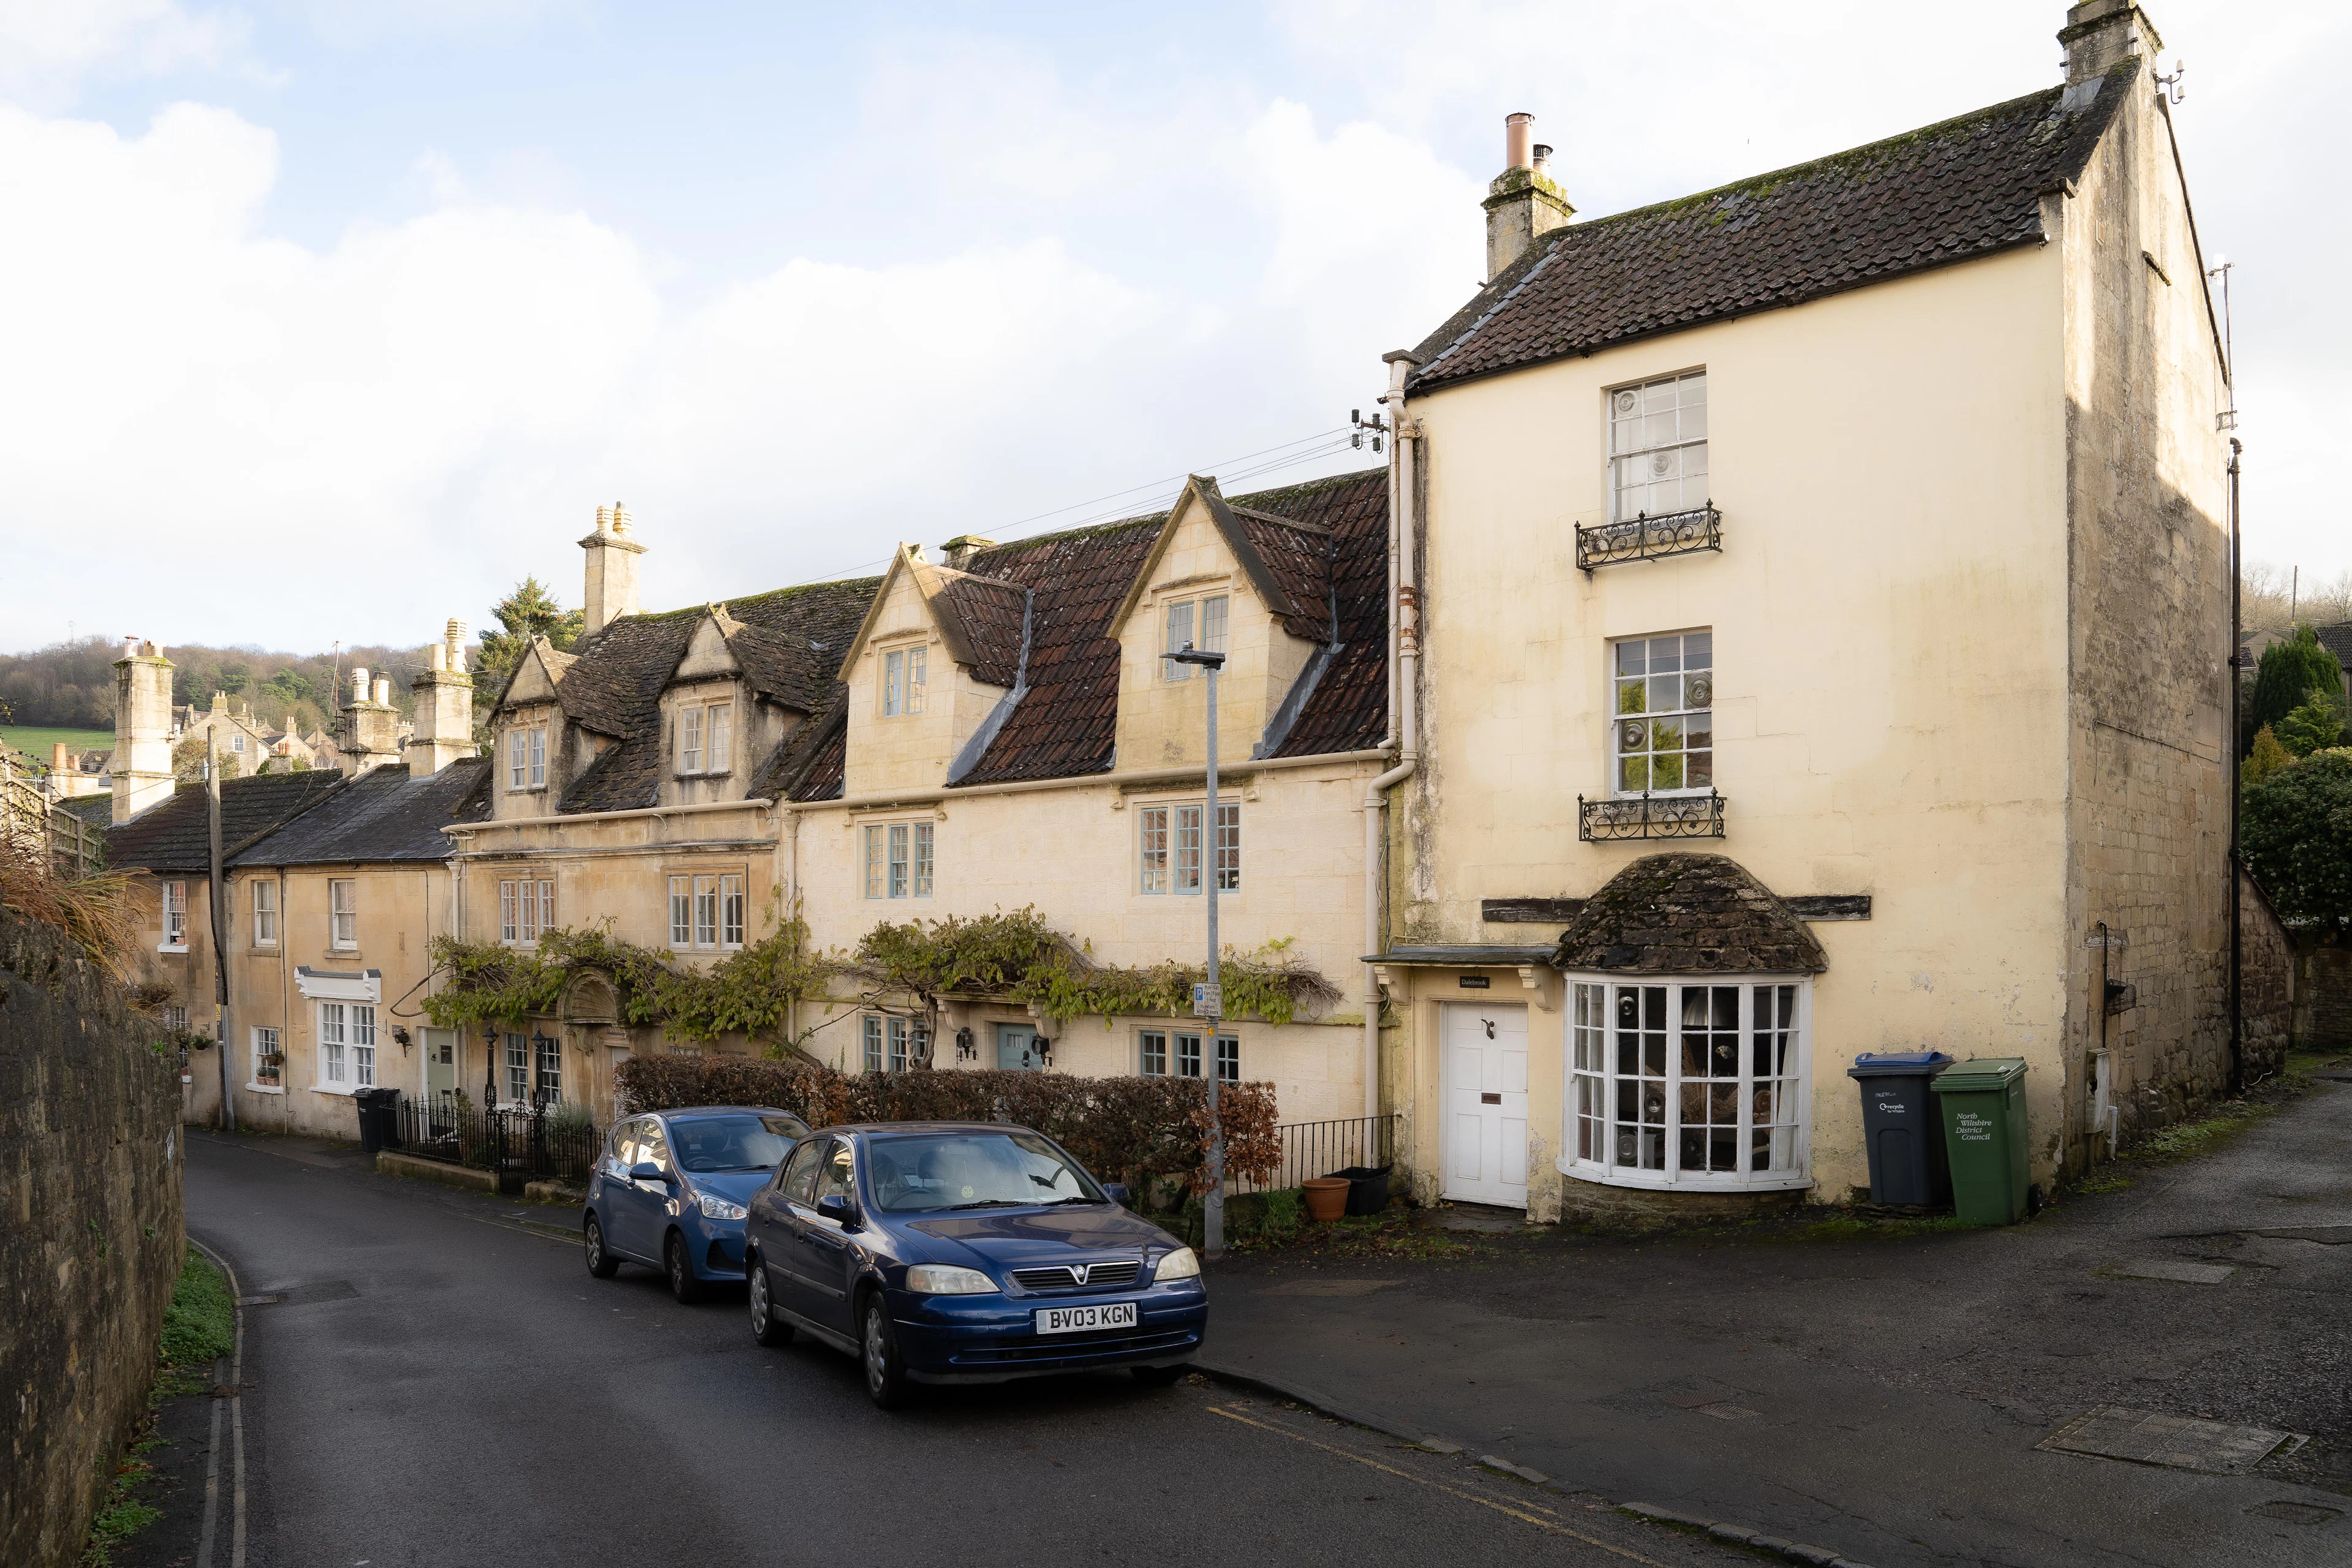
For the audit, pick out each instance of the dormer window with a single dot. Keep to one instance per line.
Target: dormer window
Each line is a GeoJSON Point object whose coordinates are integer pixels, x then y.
{"type": "Point", "coordinates": [1194, 623]}
{"type": "Point", "coordinates": [527, 757]}
{"type": "Point", "coordinates": [902, 682]}
{"type": "Point", "coordinates": [706, 742]}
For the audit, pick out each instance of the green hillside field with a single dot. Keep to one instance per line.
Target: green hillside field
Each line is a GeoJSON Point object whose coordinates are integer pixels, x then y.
{"type": "Point", "coordinates": [36, 741]}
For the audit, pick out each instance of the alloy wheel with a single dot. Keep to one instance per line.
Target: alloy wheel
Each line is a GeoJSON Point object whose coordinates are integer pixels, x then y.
{"type": "Point", "coordinates": [877, 1364]}
{"type": "Point", "coordinates": [759, 1299]}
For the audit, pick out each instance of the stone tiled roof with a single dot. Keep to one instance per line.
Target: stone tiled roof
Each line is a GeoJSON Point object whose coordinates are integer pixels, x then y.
{"type": "Point", "coordinates": [386, 813]}
{"type": "Point", "coordinates": [172, 836]}
{"type": "Point", "coordinates": [1964, 188]}
{"type": "Point", "coordinates": [1689, 914]}
{"type": "Point", "coordinates": [795, 637]}
{"type": "Point", "coordinates": [98, 810]}
{"type": "Point", "coordinates": [814, 759]}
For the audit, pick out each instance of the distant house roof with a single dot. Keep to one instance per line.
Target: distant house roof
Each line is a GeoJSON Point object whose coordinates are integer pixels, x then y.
{"type": "Point", "coordinates": [386, 813]}
{"type": "Point", "coordinates": [98, 810]}
{"type": "Point", "coordinates": [1964, 188]}
{"type": "Point", "coordinates": [1689, 914]}
{"type": "Point", "coordinates": [2338, 640]}
{"type": "Point", "coordinates": [172, 834]}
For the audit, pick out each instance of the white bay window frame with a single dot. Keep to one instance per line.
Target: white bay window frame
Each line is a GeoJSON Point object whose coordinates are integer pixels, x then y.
{"type": "Point", "coordinates": [1668, 1089]}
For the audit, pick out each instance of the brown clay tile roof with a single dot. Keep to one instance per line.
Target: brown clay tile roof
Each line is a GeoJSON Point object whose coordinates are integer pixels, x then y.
{"type": "Point", "coordinates": [1689, 914]}
{"type": "Point", "coordinates": [1349, 710]}
{"type": "Point", "coordinates": [1964, 188]}
{"type": "Point", "coordinates": [989, 616]}
{"type": "Point", "coordinates": [173, 835]}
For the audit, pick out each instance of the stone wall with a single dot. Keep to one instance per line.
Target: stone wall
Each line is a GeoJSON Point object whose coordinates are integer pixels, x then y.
{"type": "Point", "coordinates": [2265, 984]}
{"type": "Point", "coordinates": [90, 1235]}
{"type": "Point", "coordinates": [2323, 999]}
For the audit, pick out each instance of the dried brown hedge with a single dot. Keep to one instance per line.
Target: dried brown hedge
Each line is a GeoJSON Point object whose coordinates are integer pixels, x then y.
{"type": "Point", "coordinates": [1118, 1127]}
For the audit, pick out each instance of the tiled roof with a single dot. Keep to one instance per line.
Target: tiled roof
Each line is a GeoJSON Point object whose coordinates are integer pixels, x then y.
{"type": "Point", "coordinates": [1349, 710]}
{"type": "Point", "coordinates": [814, 759]}
{"type": "Point", "coordinates": [795, 638]}
{"type": "Point", "coordinates": [2338, 640]}
{"type": "Point", "coordinates": [1689, 914]}
{"type": "Point", "coordinates": [989, 616]}
{"type": "Point", "coordinates": [1964, 188]}
{"type": "Point", "coordinates": [172, 834]}
{"type": "Point", "coordinates": [386, 813]}
{"type": "Point", "coordinates": [95, 809]}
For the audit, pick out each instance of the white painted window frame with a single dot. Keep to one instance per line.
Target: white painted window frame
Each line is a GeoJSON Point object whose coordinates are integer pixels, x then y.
{"type": "Point", "coordinates": [265, 912]}
{"type": "Point", "coordinates": [1202, 621]}
{"type": "Point", "coordinates": [901, 859]}
{"type": "Point", "coordinates": [1169, 849]}
{"type": "Point", "coordinates": [176, 917]}
{"type": "Point", "coordinates": [1623, 722]}
{"type": "Point", "coordinates": [263, 1039]}
{"type": "Point", "coordinates": [1665, 425]}
{"type": "Point", "coordinates": [1577, 1020]}
{"type": "Point", "coordinates": [343, 914]}
{"type": "Point", "coordinates": [906, 677]}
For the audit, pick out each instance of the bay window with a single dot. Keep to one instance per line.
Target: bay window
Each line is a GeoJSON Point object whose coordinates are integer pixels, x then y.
{"type": "Point", "coordinates": [1690, 1084]}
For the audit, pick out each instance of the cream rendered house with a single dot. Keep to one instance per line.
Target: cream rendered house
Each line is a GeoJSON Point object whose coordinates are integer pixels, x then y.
{"type": "Point", "coordinates": [1823, 603]}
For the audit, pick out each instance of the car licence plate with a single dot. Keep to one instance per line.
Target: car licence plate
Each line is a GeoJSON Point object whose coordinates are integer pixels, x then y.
{"type": "Point", "coordinates": [1078, 1320]}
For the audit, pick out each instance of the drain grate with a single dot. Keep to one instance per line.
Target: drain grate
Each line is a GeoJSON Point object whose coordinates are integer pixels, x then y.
{"type": "Point", "coordinates": [2176, 1442]}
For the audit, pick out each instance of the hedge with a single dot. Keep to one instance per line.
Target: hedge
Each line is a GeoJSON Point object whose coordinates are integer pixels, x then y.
{"type": "Point", "coordinates": [1121, 1128]}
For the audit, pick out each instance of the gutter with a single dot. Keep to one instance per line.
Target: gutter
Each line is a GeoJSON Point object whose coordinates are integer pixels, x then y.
{"type": "Point", "coordinates": [1406, 647]}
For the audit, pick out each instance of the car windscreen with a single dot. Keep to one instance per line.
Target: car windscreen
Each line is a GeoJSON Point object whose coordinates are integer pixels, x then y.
{"type": "Point", "coordinates": [946, 1171]}
{"type": "Point", "coordinates": [746, 1143]}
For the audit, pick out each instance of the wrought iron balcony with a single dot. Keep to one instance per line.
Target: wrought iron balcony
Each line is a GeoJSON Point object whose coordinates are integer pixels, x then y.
{"type": "Point", "coordinates": [1649, 538]}
{"type": "Point", "coordinates": [1650, 817]}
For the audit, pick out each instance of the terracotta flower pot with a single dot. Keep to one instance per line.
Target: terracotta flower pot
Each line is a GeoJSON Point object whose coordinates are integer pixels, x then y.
{"type": "Point", "coordinates": [1326, 1198]}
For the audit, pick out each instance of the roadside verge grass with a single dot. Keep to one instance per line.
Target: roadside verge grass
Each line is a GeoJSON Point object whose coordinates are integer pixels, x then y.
{"type": "Point", "coordinates": [199, 1327]}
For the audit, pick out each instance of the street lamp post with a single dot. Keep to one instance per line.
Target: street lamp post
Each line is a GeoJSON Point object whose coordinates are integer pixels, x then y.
{"type": "Point", "coordinates": [1211, 998]}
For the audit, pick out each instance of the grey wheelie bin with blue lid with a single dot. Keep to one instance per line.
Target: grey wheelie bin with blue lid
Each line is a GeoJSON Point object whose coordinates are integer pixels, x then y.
{"type": "Point", "coordinates": [1901, 1128]}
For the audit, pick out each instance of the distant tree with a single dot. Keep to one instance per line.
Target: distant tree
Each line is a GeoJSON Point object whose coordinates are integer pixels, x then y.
{"type": "Point", "coordinates": [2296, 826]}
{"type": "Point", "coordinates": [530, 611]}
{"type": "Point", "coordinates": [2291, 671]}
{"type": "Point", "coordinates": [2265, 758]}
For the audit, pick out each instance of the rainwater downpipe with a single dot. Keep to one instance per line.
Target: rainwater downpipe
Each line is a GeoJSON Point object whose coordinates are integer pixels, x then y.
{"type": "Point", "coordinates": [1403, 649]}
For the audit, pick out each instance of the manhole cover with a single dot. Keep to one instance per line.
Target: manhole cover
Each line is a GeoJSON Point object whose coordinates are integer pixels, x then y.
{"type": "Point", "coordinates": [2166, 1268]}
{"type": "Point", "coordinates": [2176, 1441]}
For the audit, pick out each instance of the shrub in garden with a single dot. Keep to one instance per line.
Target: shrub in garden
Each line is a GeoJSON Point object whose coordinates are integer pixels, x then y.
{"type": "Point", "coordinates": [1120, 1128]}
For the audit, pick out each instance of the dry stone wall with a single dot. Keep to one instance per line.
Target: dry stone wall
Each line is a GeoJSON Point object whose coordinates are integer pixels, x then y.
{"type": "Point", "coordinates": [90, 1235]}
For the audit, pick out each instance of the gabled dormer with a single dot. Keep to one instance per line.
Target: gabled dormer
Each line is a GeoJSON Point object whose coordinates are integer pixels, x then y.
{"type": "Point", "coordinates": [1252, 585]}
{"type": "Point", "coordinates": [935, 670]}
{"type": "Point", "coordinates": [537, 751]}
{"type": "Point", "coordinates": [737, 694]}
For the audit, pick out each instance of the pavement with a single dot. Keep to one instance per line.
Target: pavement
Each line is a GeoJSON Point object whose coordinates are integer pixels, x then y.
{"type": "Point", "coordinates": [1884, 1394]}
{"type": "Point", "coordinates": [430, 1376]}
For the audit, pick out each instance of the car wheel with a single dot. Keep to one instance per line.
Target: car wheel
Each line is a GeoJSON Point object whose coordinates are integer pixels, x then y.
{"type": "Point", "coordinates": [600, 1258]}
{"type": "Point", "coordinates": [886, 1376]}
{"type": "Point", "coordinates": [1160, 1376]}
{"type": "Point", "coordinates": [682, 1282]}
{"type": "Point", "coordinates": [765, 1327]}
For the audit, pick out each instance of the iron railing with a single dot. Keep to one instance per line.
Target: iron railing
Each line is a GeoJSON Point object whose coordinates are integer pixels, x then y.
{"type": "Point", "coordinates": [1650, 538]}
{"type": "Point", "coordinates": [1650, 817]}
{"type": "Point", "coordinates": [1321, 1148]}
{"type": "Point", "coordinates": [547, 1143]}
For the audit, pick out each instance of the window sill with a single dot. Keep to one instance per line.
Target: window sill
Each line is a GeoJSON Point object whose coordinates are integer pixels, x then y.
{"type": "Point", "coordinates": [338, 1094]}
{"type": "Point", "coordinates": [1655, 1183]}
{"type": "Point", "coordinates": [267, 1088]}
{"type": "Point", "coordinates": [168, 947]}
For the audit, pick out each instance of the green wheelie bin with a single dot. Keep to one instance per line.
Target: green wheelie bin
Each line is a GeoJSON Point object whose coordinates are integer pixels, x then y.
{"type": "Point", "coordinates": [1983, 1106]}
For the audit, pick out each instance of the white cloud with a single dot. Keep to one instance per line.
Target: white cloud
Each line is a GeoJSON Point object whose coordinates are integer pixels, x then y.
{"type": "Point", "coordinates": [48, 47]}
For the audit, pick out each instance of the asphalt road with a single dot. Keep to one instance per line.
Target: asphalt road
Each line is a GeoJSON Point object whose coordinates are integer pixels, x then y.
{"type": "Point", "coordinates": [442, 1383]}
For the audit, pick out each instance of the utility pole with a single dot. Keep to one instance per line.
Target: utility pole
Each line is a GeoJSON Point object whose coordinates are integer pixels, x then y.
{"type": "Point", "coordinates": [2237, 930]}
{"type": "Point", "coordinates": [220, 919]}
{"type": "Point", "coordinates": [1211, 999]}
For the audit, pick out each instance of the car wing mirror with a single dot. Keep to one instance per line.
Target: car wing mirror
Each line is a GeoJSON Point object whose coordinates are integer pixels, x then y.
{"type": "Point", "coordinates": [646, 1170]}
{"type": "Point", "coordinates": [836, 1208]}
{"type": "Point", "coordinates": [1115, 1192]}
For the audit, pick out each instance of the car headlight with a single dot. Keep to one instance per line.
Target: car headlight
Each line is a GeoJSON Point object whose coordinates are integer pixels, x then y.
{"type": "Point", "coordinates": [718, 1207]}
{"type": "Point", "coordinates": [948, 1280]}
{"type": "Point", "coordinates": [1181, 1264]}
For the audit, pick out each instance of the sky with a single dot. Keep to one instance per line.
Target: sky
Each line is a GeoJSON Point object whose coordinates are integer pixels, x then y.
{"type": "Point", "coordinates": [330, 319]}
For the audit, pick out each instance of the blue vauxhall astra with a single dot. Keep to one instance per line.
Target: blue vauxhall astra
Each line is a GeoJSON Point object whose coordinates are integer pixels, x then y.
{"type": "Point", "coordinates": [670, 1190]}
{"type": "Point", "coordinates": [964, 1252]}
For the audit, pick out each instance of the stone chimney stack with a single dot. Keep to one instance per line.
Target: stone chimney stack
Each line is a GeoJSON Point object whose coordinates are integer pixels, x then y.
{"type": "Point", "coordinates": [612, 570]}
{"type": "Point", "coordinates": [142, 728]}
{"type": "Point", "coordinates": [958, 552]}
{"type": "Point", "coordinates": [1523, 204]}
{"type": "Point", "coordinates": [371, 737]}
{"type": "Point", "coordinates": [2098, 33]}
{"type": "Point", "coordinates": [444, 706]}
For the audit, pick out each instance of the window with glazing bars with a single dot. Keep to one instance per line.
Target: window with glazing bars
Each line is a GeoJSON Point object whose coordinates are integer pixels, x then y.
{"type": "Point", "coordinates": [1229, 1058]}
{"type": "Point", "coordinates": [1171, 847]}
{"type": "Point", "coordinates": [681, 911]}
{"type": "Point", "coordinates": [1657, 446]}
{"type": "Point", "coordinates": [1198, 623]}
{"type": "Point", "coordinates": [1662, 735]}
{"type": "Point", "coordinates": [1683, 1081]}
{"type": "Point", "coordinates": [902, 682]}
{"type": "Point", "coordinates": [898, 860]}
{"type": "Point", "coordinates": [343, 912]}
{"type": "Point", "coordinates": [517, 1067]}
{"type": "Point", "coordinates": [526, 911]}
{"type": "Point", "coordinates": [264, 913]}
{"type": "Point", "coordinates": [547, 1088]}
{"type": "Point", "coordinates": [175, 914]}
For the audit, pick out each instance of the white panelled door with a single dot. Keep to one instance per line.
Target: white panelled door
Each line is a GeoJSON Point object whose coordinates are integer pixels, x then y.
{"type": "Point", "coordinates": [1487, 1104]}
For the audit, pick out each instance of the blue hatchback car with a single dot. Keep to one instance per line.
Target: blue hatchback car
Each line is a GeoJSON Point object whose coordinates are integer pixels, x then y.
{"type": "Point", "coordinates": [965, 1252]}
{"type": "Point", "coordinates": [670, 1188]}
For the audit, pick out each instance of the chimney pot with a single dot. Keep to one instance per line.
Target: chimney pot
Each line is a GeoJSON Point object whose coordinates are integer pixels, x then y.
{"type": "Point", "coordinates": [1518, 131]}
{"type": "Point", "coordinates": [1543, 156]}
{"type": "Point", "coordinates": [621, 519]}
{"type": "Point", "coordinates": [359, 683]}
{"type": "Point", "coordinates": [383, 690]}
{"type": "Point", "coordinates": [603, 519]}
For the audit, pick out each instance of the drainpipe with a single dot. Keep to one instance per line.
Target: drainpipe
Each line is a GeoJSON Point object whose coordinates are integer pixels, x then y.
{"type": "Point", "coordinates": [2237, 934]}
{"type": "Point", "coordinates": [1404, 648]}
